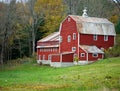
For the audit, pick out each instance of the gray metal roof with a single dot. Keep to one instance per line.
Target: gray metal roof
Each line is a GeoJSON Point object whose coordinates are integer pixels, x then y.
{"type": "Point", "coordinates": [52, 37]}
{"type": "Point", "coordinates": [91, 49]}
{"type": "Point", "coordinates": [93, 25]}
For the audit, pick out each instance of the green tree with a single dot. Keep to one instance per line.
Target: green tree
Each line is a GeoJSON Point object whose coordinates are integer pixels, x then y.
{"type": "Point", "coordinates": [7, 27]}
{"type": "Point", "coordinates": [117, 27]}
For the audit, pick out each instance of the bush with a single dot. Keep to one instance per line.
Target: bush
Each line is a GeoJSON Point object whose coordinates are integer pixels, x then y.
{"type": "Point", "coordinates": [114, 52]}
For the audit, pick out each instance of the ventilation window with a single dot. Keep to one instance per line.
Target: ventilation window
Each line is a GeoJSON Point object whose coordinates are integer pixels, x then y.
{"type": "Point", "coordinates": [73, 49]}
{"type": "Point", "coordinates": [95, 55]}
{"type": "Point", "coordinates": [39, 57]}
{"type": "Point", "coordinates": [69, 19]}
{"type": "Point", "coordinates": [43, 57]}
{"type": "Point", "coordinates": [74, 36]}
{"type": "Point", "coordinates": [49, 57]}
{"type": "Point", "coordinates": [95, 37]}
{"type": "Point", "coordinates": [60, 39]}
{"type": "Point", "coordinates": [82, 54]}
{"type": "Point", "coordinates": [105, 37]}
{"type": "Point", "coordinates": [69, 38]}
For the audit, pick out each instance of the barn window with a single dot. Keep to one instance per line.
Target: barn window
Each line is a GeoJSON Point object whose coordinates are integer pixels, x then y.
{"type": "Point", "coordinates": [82, 54]}
{"type": "Point", "coordinates": [105, 37]}
{"type": "Point", "coordinates": [95, 55]}
{"type": "Point", "coordinates": [49, 57]}
{"type": "Point", "coordinates": [43, 57]}
{"type": "Point", "coordinates": [60, 39]}
{"type": "Point", "coordinates": [69, 19]}
{"type": "Point", "coordinates": [55, 49]}
{"type": "Point", "coordinates": [44, 50]}
{"type": "Point", "coordinates": [73, 49]}
{"type": "Point", "coordinates": [74, 36]}
{"type": "Point", "coordinates": [39, 57]}
{"type": "Point", "coordinates": [51, 49]}
{"type": "Point", "coordinates": [95, 37]}
{"type": "Point", "coordinates": [40, 50]}
{"type": "Point", "coordinates": [69, 38]}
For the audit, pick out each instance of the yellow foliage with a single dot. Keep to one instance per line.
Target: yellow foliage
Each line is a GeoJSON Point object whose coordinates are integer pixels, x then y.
{"type": "Point", "coordinates": [114, 19]}
{"type": "Point", "coordinates": [53, 10]}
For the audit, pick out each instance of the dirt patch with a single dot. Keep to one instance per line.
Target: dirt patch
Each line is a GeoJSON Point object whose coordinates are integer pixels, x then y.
{"type": "Point", "coordinates": [33, 87]}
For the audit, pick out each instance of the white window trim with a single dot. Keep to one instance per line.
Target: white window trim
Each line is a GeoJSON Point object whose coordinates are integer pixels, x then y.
{"type": "Point", "coordinates": [60, 39]}
{"type": "Point", "coordinates": [105, 37]}
{"type": "Point", "coordinates": [69, 19]}
{"type": "Point", "coordinates": [51, 50]}
{"type": "Point", "coordinates": [95, 54]}
{"type": "Point", "coordinates": [43, 57]}
{"type": "Point", "coordinates": [49, 57]}
{"type": "Point", "coordinates": [69, 38]}
{"type": "Point", "coordinates": [95, 37]}
{"type": "Point", "coordinates": [39, 57]}
{"type": "Point", "coordinates": [74, 36]}
{"type": "Point", "coordinates": [81, 55]}
{"type": "Point", "coordinates": [73, 49]}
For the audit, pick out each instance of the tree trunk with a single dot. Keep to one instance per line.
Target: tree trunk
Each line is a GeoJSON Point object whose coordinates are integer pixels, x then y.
{"type": "Point", "coordinates": [33, 41]}
{"type": "Point", "coordinates": [2, 54]}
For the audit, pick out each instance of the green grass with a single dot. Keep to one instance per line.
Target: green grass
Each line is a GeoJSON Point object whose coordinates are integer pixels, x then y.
{"type": "Point", "coordinates": [99, 76]}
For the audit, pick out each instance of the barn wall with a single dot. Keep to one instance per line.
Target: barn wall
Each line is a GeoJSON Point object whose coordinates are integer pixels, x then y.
{"type": "Point", "coordinates": [82, 58]}
{"type": "Point", "coordinates": [55, 58]}
{"type": "Point", "coordinates": [46, 52]}
{"type": "Point", "coordinates": [91, 58]}
{"type": "Point", "coordinates": [68, 28]}
{"type": "Point", "coordinates": [86, 39]}
{"type": "Point", "coordinates": [67, 57]}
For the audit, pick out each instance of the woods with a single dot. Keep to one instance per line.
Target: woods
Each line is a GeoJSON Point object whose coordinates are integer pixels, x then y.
{"type": "Point", "coordinates": [23, 23]}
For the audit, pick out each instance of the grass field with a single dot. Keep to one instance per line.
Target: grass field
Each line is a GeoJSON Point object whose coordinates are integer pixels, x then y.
{"type": "Point", "coordinates": [103, 75]}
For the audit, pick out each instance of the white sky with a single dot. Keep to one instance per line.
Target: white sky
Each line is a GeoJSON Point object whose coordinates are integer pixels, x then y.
{"type": "Point", "coordinates": [16, 0]}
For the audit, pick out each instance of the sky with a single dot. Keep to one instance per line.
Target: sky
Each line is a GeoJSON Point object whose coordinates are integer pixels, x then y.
{"type": "Point", "coordinates": [10, 0]}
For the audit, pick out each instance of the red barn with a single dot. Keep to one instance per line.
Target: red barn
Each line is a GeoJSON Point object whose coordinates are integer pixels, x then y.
{"type": "Point", "coordinates": [81, 36]}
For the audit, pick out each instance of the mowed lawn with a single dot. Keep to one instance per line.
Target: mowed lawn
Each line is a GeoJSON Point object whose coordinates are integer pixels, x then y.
{"type": "Point", "coordinates": [103, 75]}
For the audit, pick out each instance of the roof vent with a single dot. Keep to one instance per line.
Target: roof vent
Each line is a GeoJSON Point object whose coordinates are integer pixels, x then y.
{"type": "Point", "coordinates": [85, 12]}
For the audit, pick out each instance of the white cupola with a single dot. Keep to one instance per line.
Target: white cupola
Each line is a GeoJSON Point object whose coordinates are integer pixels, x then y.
{"type": "Point", "coordinates": [85, 12]}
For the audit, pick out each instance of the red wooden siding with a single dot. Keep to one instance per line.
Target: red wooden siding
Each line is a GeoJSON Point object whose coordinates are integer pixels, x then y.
{"type": "Point", "coordinates": [87, 39]}
{"type": "Point", "coordinates": [82, 58]}
{"type": "Point", "coordinates": [67, 57]}
{"type": "Point", "coordinates": [47, 52]}
{"type": "Point", "coordinates": [55, 58]}
{"type": "Point", "coordinates": [68, 28]}
{"type": "Point", "coordinates": [91, 58]}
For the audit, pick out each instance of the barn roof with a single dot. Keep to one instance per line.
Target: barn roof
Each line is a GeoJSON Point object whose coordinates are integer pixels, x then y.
{"type": "Point", "coordinates": [93, 25]}
{"type": "Point", "coordinates": [91, 49]}
{"type": "Point", "coordinates": [52, 37]}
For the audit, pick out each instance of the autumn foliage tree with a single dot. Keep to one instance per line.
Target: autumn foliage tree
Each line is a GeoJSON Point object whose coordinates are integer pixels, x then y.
{"type": "Point", "coordinates": [53, 12]}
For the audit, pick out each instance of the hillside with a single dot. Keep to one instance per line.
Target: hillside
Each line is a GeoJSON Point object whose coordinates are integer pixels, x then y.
{"type": "Point", "coordinates": [103, 75]}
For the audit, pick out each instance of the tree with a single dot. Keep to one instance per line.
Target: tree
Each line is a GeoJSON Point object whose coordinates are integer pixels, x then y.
{"type": "Point", "coordinates": [35, 21]}
{"type": "Point", "coordinates": [117, 27]}
{"type": "Point", "coordinates": [47, 11]}
{"type": "Point", "coordinates": [117, 3]}
{"type": "Point", "coordinates": [7, 27]}
{"type": "Point", "coordinates": [96, 8]}
{"type": "Point", "coordinates": [72, 6]}
{"type": "Point", "coordinates": [53, 12]}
